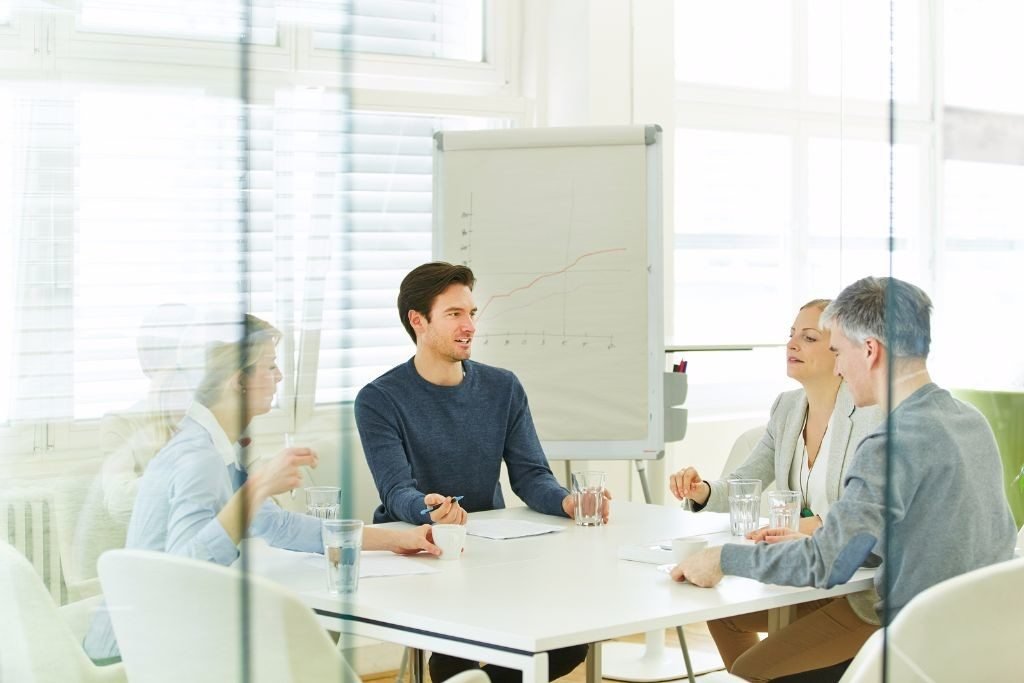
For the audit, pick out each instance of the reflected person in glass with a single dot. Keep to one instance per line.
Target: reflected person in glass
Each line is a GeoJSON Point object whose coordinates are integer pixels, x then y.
{"type": "Point", "coordinates": [198, 499]}
{"type": "Point", "coordinates": [807, 446]}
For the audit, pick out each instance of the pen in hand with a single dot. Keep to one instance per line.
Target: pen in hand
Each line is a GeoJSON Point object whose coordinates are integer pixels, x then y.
{"type": "Point", "coordinates": [424, 511]}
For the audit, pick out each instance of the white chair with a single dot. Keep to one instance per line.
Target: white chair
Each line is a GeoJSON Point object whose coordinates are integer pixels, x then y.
{"type": "Point", "coordinates": [36, 643]}
{"type": "Point", "coordinates": [965, 629]}
{"type": "Point", "coordinates": [178, 619]}
{"type": "Point", "coordinates": [741, 450]}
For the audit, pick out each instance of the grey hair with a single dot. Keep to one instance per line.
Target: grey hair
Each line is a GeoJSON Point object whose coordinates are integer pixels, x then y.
{"type": "Point", "coordinates": [862, 309]}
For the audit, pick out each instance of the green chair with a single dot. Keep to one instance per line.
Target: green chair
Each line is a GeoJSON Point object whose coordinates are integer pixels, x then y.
{"type": "Point", "coordinates": [1004, 411]}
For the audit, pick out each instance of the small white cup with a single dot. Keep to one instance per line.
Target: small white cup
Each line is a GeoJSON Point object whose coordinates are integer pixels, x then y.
{"type": "Point", "coordinates": [451, 539]}
{"type": "Point", "coordinates": [682, 548]}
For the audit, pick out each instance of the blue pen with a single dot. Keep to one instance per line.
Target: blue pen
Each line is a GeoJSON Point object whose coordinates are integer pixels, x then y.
{"type": "Point", "coordinates": [424, 511]}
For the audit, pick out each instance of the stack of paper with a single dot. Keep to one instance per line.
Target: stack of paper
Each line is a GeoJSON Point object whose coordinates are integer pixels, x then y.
{"type": "Point", "coordinates": [501, 529]}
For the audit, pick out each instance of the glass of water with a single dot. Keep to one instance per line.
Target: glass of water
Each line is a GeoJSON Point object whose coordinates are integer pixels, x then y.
{"type": "Point", "coordinates": [323, 502]}
{"type": "Point", "coordinates": [744, 505]}
{"type": "Point", "coordinates": [343, 542]}
{"type": "Point", "coordinates": [784, 510]}
{"type": "Point", "coordinates": [588, 489]}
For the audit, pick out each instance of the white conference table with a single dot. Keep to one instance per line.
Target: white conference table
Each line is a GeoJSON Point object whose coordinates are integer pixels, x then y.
{"type": "Point", "coordinates": [508, 602]}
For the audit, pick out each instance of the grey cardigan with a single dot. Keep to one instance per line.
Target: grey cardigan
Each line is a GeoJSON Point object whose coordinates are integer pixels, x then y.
{"type": "Point", "coordinates": [772, 458]}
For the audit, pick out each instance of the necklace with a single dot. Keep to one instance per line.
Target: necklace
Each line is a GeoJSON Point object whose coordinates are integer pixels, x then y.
{"type": "Point", "coordinates": [805, 489]}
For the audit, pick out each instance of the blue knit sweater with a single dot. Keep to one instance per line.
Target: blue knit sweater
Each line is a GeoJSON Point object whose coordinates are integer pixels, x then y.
{"type": "Point", "coordinates": [423, 438]}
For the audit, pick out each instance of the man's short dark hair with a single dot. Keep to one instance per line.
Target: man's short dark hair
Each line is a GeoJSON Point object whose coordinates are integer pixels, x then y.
{"type": "Point", "coordinates": [423, 284]}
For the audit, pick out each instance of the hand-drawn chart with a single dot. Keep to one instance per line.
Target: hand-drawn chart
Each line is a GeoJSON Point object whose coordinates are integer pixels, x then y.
{"type": "Point", "coordinates": [558, 237]}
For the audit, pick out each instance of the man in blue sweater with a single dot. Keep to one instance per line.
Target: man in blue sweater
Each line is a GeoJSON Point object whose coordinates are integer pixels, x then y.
{"type": "Point", "coordinates": [440, 425]}
{"type": "Point", "coordinates": [924, 494]}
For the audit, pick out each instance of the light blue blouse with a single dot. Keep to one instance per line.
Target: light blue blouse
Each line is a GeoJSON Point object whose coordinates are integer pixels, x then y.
{"type": "Point", "coordinates": [180, 495]}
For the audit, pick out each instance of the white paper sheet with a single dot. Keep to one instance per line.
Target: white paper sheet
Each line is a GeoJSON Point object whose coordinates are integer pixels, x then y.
{"type": "Point", "coordinates": [501, 529]}
{"type": "Point", "coordinates": [374, 563]}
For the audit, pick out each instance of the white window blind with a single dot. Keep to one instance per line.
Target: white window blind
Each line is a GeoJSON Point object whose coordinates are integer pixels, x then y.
{"type": "Point", "coordinates": [130, 200]}
{"type": "Point", "coordinates": [388, 232]}
{"type": "Point", "coordinates": [447, 29]}
{"type": "Point", "coordinates": [127, 200]}
{"type": "Point", "coordinates": [5, 11]}
{"type": "Point", "coordinates": [222, 20]}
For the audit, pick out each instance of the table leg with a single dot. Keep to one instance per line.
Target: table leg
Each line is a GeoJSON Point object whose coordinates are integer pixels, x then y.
{"type": "Point", "coordinates": [594, 663]}
{"type": "Point", "coordinates": [780, 617]}
{"type": "Point", "coordinates": [415, 665]}
{"type": "Point", "coordinates": [537, 672]}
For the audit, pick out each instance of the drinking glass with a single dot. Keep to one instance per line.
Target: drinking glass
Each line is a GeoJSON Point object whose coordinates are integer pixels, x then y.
{"type": "Point", "coordinates": [744, 505]}
{"type": "Point", "coordinates": [588, 490]}
{"type": "Point", "coordinates": [784, 510]}
{"type": "Point", "coordinates": [323, 502]}
{"type": "Point", "coordinates": [343, 542]}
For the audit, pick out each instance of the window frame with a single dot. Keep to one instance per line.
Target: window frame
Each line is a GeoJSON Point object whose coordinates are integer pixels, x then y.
{"type": "Point", "coordinates": [53, 47]}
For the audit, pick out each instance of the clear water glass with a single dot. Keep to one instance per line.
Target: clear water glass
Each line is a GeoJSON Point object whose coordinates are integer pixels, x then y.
{"type": "Point", "coordinates": [588, 491]}
{"type": "Point", "coordinates": [343, 544]}
{"type": "Point", "coordinates": [323, 502]}
{"type": "Point", "coordinates": [784, 510]}
{"type": "Point", "coordinates": [744, 505]}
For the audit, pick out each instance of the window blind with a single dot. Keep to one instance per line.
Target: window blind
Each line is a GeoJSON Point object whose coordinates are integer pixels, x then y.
{"type": "Point", "coordinates": [127, 200]}
{"type": "Point", "coordinates": [128, 203]}
{"type": "Point", "coordinates": [447, 29]}
{"type": "Point", "coordinates": [387, 204]}
{"type": "Point", "coordinates": [193, 19]}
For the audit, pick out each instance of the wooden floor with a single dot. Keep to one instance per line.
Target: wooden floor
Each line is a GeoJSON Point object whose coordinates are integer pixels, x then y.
{"type": "Point", "coordinates": [697, 639]}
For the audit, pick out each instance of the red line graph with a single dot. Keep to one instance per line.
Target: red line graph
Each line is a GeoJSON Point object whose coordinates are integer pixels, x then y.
{"type": "Point", "coordinates": [540, 277]}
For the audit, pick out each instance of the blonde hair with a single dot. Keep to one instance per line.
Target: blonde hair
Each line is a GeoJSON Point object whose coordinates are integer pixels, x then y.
{"type": "Point", "coordinates": [820, 304]}
{"type": "Point", "coordinates": [223, 359]}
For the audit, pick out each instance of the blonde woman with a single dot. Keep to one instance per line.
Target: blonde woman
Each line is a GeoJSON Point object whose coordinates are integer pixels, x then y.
{"type": "Point", "coordinates": [197, 498]}
{"type": "Point", "coordinates": [809, 443]}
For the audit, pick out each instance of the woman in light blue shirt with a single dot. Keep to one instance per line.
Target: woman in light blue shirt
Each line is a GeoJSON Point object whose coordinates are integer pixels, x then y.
{"type": "Point", "coordinates": [197, 498]}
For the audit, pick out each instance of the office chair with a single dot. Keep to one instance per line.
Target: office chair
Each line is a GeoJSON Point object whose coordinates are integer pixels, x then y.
{"type": "Point", "coordinates": [967, 628]}
{"type": "Point", "coordinates": [178, 619]}
{"type": "Point", "coordinates": [37, 645]}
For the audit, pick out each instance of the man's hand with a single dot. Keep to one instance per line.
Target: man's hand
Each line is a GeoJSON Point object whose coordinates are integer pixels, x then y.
{"type": "Point", "coordinates": [569, 506]}
{"type": "Point", "coordinates": [686, 483]}
{"type": "Point", "coordinates": [450, 511]}
{"type": "Point", "coordinates": [777, 535]}
{"type": "Point", "coordinates": [703, 569]}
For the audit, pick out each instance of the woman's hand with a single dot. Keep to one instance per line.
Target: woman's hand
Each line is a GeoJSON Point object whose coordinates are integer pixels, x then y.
{"type": "Point", "coordinates": [776, 535]}
{"type": "Point", "coordinates": [401, 541]}
{"type": "Point", "coordinates": [808, 525]}
{"type": "Point", "coordinates": [281, 473]}
{"type": "Point", "coordinates": [686, 483]}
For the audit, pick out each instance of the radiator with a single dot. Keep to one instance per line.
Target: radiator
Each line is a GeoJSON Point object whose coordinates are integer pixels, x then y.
{"type": "Point", "coordinates": [28, 520]}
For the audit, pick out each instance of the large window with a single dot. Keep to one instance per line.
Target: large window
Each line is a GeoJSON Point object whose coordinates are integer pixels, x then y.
{"type": "Point", "coordinates": [782, 174]}
{"type": "Point", "coordinates": [132, 191]}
